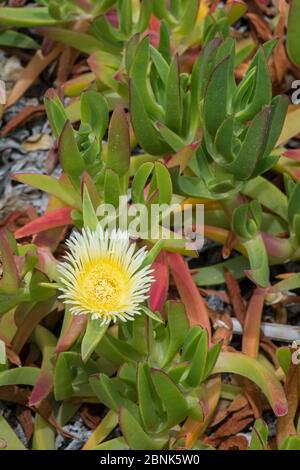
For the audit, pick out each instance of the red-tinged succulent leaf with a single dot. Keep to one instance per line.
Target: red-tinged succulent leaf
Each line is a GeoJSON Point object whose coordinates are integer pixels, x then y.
{"type": "Point", "coordinates": [194, 304]}
{"type": "Point", "coordinates": [50, 238]}
{"type": "Point", "coordinates": [293, 154]}
{"type": "Point", "coordinates": [46, 262]}
{"type": "Point", "coordinates": [76, 86]}
{"type": "Point", "coordinates": [93, 192]}
{"type": "Point", "coordinates": [31, 320]}
{"type": "Point", "coordinates": [46, 342]}
{"type": "Point", "coordinates": [10, 278]}
{"type": "Point", "coordinates": [74, 328]}
{"type": "Point", "coordinates": [159, 288]}
{"type": "Point", "coordinates": [264, 378]}
{"type": "Point", "coordinates": [53, 219]}
{"type": "Point", "coordinates": [251, 336]}
{"type": "Point", "coordinates": [286, 424]}
{"type": "Point", "coordinates": [183, 157]}
{"type": "Point", "coordinates": [42, 388]}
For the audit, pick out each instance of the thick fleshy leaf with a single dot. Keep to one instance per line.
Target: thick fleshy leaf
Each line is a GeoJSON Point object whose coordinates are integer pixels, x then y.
{"type": "Point", "coordinates": [118, 149]}
{"type": "Point", "coordinates": [112, 188]}
{"type": "Point", "coordinates": [92, 337]}
{"type": "Point", "coordinates": [235, 10]}
{"type": "Point", "coordinates": [135, 435]}
{"type": "Point", "coordinates": [259, 436]}
{"type": "Point", "coordinates": [293, 40]}
{"type": "Point", "coordinates": [57, 188]}
{"type": "Point", "coordinates": [46, 341]}
{"type": "Point", "coordinates": [106, 426]}
{"type": "Point", "coordinates": [267, 194]}
{"type": "Point", "coordinates": [9, 440]}
{"type": "Point", "coordinates": [159, 288]}
{"type": "Point", "coordinates": [90, 219]}
{"type": "Point", "coordinates": [196, 369]}
{"type": "Point", "coordinates": [74, 326]}
{"type": "Point", "coordinates": [94, 111]}
{"type": "Point", "coordinates": [71, 375]}
{"type": "Point", "coordinates": [147, 402]}
{"type": "Point", "coordinates": [215, 102]}
{"type": "Point", "coordinates": [15, 39]}
{"type": "Point", "coordinates": [139, 182]}
{"type": "Point", "coordinates": [49, 220]}
{"type": "Point", "coordinates": [83, 42]}
{"type": "Point", "coordinates": [178, 327]}
{"type": "Point", "coordinates": [190, 295]}
{"type": "Point", "coordinates": [32, 318]}
{"type": "Point", "coordinates": [138, 77]}
{"type": "Point", "coordinates": [262, 94]}
{"type": "Point", "coordinates": [9, 282]}
{"type": "Point", "coordinates": [116, 350]}
{"type": "Point", "coordinates": [237, 363]}
{"type": "Point", "coordinates": [26, 17]}
{"type": "Point", "coordinates": [69, 155]}
{"type": "Point", "coordinates": [20, 376]}
{"type": "Point", "coordinates": [252, 148]}
{"type": "Point", "coordinates": [146, 134]}
{"type": "Point", "coordinates": [55, 111]}
{"type": "Point", "coordinates": [44, 434]}
{"type": "Point", "coordinates": [258, 258]}
{"type": "Point", "coordinates": [174, 402]}
{"type": "Point", "coordinates": [173, 102]}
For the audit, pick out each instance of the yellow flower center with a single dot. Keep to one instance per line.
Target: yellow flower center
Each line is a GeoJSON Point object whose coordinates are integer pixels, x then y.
{"type": "Point", "coordinates": [103, 285]}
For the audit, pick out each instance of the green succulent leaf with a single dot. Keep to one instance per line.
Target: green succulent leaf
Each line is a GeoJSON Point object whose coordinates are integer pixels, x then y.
{"type": "Point", "coordinates": [134, 434]}
{"type": "Point", "coordinates": [173, 105]}
{"type": "Point", "coordinates": [293, 41]}
{"type": "Point", "coordinates": [94, 111]}
{"type": "Point", "coordinates": [118, 152]}
{"type": "Point", "coordinates": [259, 436]}
{"type": "Point", "coordinates": [178, 327]}
{"type": "Point", "coordinates": [90, 219]}
{"type": "Point", "coordinates": [15, 39]}
{"type": "Point", "coordinates": [55, 112]}
{"type": "Point", "coordinates": [92, 337]}
{"type": "Point", "coordinates": [71, 375]}
{"type": "Point", "coordinates": [265, 379]}
{"type": "Point", "coordinates": [8, 437]}
{"type": "Point", "coordinates": [69, 155]}
{"type": "Point", "coordinates": [174, 402]}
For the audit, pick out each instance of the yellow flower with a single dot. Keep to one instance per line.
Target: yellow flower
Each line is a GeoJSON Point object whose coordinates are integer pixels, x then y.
{"type": "Point", "coordinates": [102, 275]}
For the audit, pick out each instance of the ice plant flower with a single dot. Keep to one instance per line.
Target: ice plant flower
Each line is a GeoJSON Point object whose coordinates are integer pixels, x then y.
{"type": "Point", "coordinates": [103, 275]}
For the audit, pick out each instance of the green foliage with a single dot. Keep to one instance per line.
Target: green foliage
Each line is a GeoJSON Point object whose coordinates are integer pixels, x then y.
{"type": "Point", "coordinates": [241, 123]}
